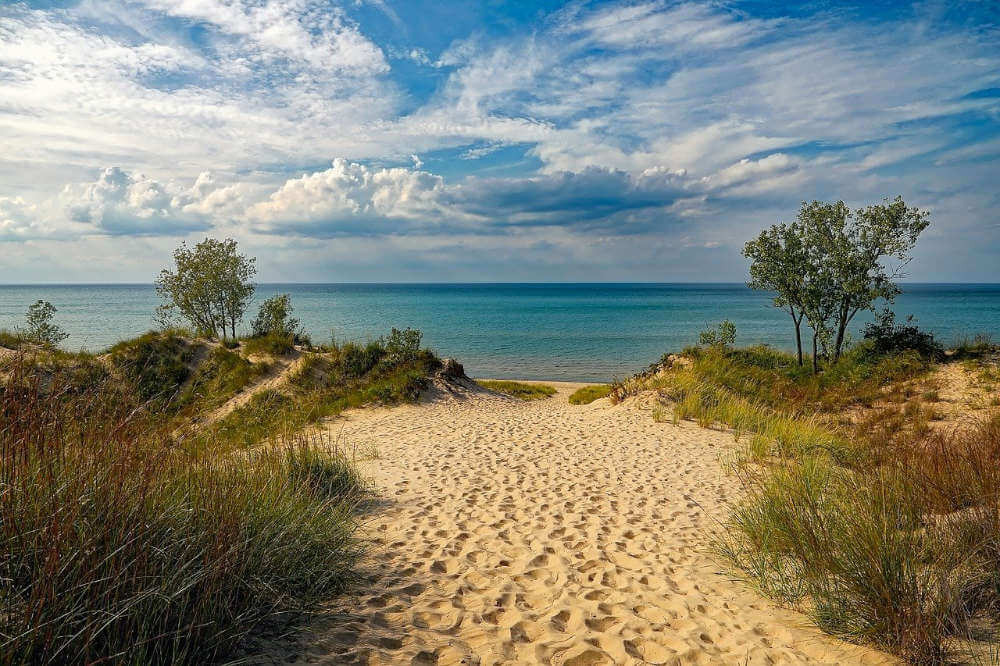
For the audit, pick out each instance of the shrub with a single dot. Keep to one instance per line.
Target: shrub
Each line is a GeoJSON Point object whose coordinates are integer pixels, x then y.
{"type": "Point", "coordinates": [402, 346]}
{"type": "Point", "coordinates": [721, 336]}
{"type": "Point", "coordinates": [40, 328]}
{"type": "Point", "coordinates": [588, 394]}
{"type": "Point", "coordinates": [156, 362]}
{"type": "Point", "coordinates": [275, 317]}
{"type": "Point", "coordinates": [885, 336]}
{"type": "Point", "coordinates": [358, 361]}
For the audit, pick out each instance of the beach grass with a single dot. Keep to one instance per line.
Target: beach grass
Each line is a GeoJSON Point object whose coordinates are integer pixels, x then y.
{"type": "Point", "coordinates": [588, 394]}
{"type": "Point", "coordinates": [118, 546]}
{"type": "Point", "coordinates": [519, 390]}
{"type": "Point", "coordinates": [882, 529]}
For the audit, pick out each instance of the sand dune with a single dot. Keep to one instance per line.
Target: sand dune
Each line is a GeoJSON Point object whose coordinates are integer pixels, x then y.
{"type": "Point", "coordinates": [542, 532]}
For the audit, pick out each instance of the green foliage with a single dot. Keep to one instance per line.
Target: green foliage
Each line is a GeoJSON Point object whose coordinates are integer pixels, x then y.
{"type": "Point", "coordinates": [359, 361]}
{"type": "Point", "coordinates": [158, 363]}
{"type": "Point", "coordinates": [13, 339]}
{"type": "Point", "coordinates": [210, 287]}
{"type": "Point", "coordinates": [402, 346]}
{"type": "Point", "coordinates": [885, 336]}
{"type": "Point", "coordinates": [518, 389]}
{"type": "Point", "coordinates": [272, 344]}
{"type": "Point", "coordinates": [117, 548]}
{"type": "Point", "coordinates": [39, 327]}
{"type": "Point", "coordinates": [588, 394]}
{"type": "Point", "coordinates": [722, 335]}
{"type": "Point", "coordinates": [217, 379]}
{"type": "Point", "coordinates": [275, 318]}
{"type": "Point", "coordinates": [832, 263]}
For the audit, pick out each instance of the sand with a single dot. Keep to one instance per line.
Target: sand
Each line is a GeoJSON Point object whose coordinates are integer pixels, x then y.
{"type": "Point", "coordinates": [548, 533]}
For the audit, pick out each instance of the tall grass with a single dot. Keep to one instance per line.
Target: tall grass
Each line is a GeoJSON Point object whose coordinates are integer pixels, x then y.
{"type": "Point", "coordinates": [884, 531]}
{"type": "Point", "coordinates": [117, 546]}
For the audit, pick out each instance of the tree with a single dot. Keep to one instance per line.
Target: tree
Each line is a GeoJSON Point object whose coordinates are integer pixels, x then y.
{"type": "Point", "coordinates": [858, 256]}
{"type": "Point", "coordinates": [832, 263]}
{"type": "Point", "coordinates": [210, 287]}
{"type": "Point", "coordinates": [275, 316]}
{"type": "Point", "coordinates": [39, 324]}
{"type": "Point", "coordinates": [779, 263]}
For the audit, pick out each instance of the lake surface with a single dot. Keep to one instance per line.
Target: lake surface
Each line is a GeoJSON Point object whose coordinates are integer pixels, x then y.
{"type": "Point", "coordinates": [573, 332]}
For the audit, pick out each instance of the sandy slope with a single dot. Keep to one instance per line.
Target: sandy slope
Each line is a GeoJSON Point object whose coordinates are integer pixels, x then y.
{"type": "Point", "coordinates": [542, 532]}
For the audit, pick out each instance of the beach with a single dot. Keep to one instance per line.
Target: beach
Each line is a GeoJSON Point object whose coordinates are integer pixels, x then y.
{"type": "Point", "coordinates": [543, 532]}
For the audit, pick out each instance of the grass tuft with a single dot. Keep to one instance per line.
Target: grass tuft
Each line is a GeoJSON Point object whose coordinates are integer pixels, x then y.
{"type": "Point", "coordinates": [519, 390]}
{"type": "Point", "coordinates": [588, 394]}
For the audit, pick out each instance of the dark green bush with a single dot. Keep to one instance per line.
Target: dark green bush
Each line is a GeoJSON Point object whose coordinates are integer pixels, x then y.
{"type": "Point", "coordinates": [884, 336]}
{"type": "Point", "coordinates": [157, 362]}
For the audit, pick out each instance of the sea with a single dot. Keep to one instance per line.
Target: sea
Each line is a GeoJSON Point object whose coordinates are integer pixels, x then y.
{"type": "Point", "coordinates": [568, 332]}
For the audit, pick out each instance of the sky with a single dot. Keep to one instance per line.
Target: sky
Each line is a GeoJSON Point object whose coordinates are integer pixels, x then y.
{"type": "Point", "coordinates": [452, 141]}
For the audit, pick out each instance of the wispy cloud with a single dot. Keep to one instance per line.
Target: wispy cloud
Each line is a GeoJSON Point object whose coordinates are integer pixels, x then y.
{"type": "Point", "coordinates": [688, 119]}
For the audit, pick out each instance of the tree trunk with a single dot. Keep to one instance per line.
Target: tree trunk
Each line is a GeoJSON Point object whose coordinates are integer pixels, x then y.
{"type": "Point", "coordinates": [841, 329]}
{"type": "Point", "coordinates": [798, 338]}
{"type": "Point", "coordinates": [815, 355]}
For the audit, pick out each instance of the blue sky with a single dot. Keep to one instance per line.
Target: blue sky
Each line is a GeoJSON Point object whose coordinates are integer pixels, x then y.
{"type": "Point", "coordinates": [379, 140]}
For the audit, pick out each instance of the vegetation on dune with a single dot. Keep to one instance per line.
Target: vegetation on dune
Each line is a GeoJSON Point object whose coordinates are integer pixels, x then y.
{"type": "Point", "coordinates": [588, 394]}
{"type": "Point", "coordinates": [133, 531]}
{"type": "Point", "coordinates": [387, 371]}
{"type": "Point", "coordinates": [831, 263]}
{"type": "Point", "coordinates": [209, 287]}
{"type": "Point", "coordinates": [116, 546]}
{"type": "Point", "coordinates": [883, 530]}
{"type": "Point", "coordinates": [518, 390]}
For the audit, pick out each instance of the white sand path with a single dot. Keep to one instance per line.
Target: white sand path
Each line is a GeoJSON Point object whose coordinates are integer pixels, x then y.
{"type": "Point", "coordinates": [542, 532]}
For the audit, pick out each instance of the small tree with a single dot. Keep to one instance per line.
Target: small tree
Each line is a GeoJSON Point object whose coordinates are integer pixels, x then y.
{"type": "Point", "coordinates": [721, 336]}
{"type": "Point", "coordinates": [210, 287]}
{"type": "Point", "coordinates": [779, 263]}
{"type": "Point", "coordinates": [40, 328]}
{"type": "Point", "coordinates": [831, 263]}
{"type": "Point", "coordinates": [851, 252]}
{"type": "Point", "coordinates": [275, 316]}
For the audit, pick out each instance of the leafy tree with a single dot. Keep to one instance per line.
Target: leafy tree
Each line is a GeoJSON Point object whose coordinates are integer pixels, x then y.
{"type": "Point", "coordinates": [832, 263]}
{"type": "Point", "coordinates": [402, 346]}
{"type": "Point", "coordinates": [275, 316]}
{"type": "Point", "coordinates": [858, 256]}
{"type": "Point", "coordinates": [39, 324]}
{"type": "Point", "coordinates": [779, 263]}
{"type": "Point", "coordinates": [210, 287]}
{"type": "Point", "coordinates": [721, 336]}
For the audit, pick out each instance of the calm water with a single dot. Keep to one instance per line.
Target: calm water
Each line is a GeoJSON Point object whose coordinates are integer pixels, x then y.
{"type": "Point", "coordinates": [581, 332]}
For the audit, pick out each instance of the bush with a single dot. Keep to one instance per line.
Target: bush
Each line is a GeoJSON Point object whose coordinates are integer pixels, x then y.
{"type": "Point", "coordinates": [721, 336]}
{"type": "Point", "coordinates": [884, 336]}
{"type": "Point", "coordinates": [40, 328]}
{"type": "Point", "coordinates": [156, 362]}
{"type": "Point", "coordinates": [358, 361]}
{"type": "Point", "coordinates": [275, 317]}
{"type": "Point", "coordinates": [402, 346]}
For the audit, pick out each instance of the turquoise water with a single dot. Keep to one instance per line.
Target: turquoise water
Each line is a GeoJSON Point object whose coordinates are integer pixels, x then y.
{"type": "Point", "coordinates": [576, 332]}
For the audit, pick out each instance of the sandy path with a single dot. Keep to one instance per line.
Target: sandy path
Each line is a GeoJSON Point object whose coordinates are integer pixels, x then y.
{"type": "Point", "coordinates": [543, 532]}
